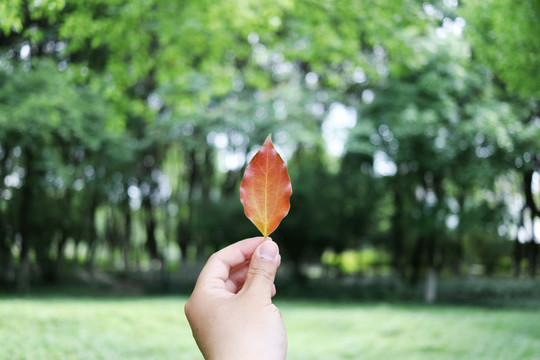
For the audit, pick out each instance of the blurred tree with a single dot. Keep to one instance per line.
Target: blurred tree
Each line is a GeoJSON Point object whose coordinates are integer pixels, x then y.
{"type": "Point", "coordinates": [482, 243]}
{"type": "Point", "coordinates": [504, 35]}
{"type": "Point", "coordinates": [50, 129]}
{"type": "Point", "coordinates": [137, 118]}
{"type": "Point", "coordinates": [435, 129]}
{"type": "Point", "coordinates": [302, 235]}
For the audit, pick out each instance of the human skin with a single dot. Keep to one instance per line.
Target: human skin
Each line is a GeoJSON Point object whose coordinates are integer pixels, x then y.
{"type": "Point", "coordinates": [230, 311]}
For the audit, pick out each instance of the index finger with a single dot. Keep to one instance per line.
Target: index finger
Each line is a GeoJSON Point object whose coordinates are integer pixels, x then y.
{"type": "Point", "coordinates": [220, 264]}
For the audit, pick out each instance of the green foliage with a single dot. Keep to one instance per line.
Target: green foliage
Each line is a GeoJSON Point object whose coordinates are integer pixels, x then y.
{"type": "Point", "coordinates": [10, 18]}
{"type": "Point", "coordinates": [126, 126]}
{"type": "Point", "coordinates": [55, 148]}
{"type": "Point", "coordinates": [505, 36]}
{"type": "Point", "coordinates": [355, 262]}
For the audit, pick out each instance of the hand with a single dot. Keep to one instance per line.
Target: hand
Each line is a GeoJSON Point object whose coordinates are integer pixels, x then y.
{"type": "Point", "coordinates": [231, 312]}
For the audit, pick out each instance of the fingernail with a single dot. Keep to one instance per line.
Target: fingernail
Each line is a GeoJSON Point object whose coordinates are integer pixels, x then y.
{"type": "Point", "coordinates": [268, 250]}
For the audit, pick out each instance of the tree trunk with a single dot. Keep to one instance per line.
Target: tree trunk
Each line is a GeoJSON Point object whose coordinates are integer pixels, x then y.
{"type": "Point", "coordinates": [152, 246]}
{"type": "Point", "coordinates": [533, 256]}
{"type": "Point", "coordinates": [5, 254]}
{"type": "Point", "coordinates": [518, 256]}
{"type": "Point", "coordinates": [529, 198]}
{"type": "Point", "coordinates": [25, 231]}
{"type": "Point", "coordinates": [151, 242]}
{"type": "Point", "coordinates": [5, 244]}
{"type": "Point", "coordinates": [430, 294]}
{"type": "Point", "coordinates": [431, 281]}
{"type": "Point", "coordinates": [183, 239]}
{"type": "Point", "coordinates": [60, 253]}
{"type": "Point", "coordinates": [127, 236]}
{"type": "Point", "coordinates": [23, 276]}
{"type": "Point", "coordinates": [92, 234]}
{"type": "Point", "coordinates": [397, 239]}
{"type": "Point", "coordinates": [231, 183]}
{"type": "Point", "coordinates": [532, 246]}
{"type": "Point", "coordinates": [416, 260]}
{"type": "Point", "coordinates": [185, 225]}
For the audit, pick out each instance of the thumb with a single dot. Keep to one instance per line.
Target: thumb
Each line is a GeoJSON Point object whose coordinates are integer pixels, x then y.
{"type": "Point", "coordinates": [262, 269]}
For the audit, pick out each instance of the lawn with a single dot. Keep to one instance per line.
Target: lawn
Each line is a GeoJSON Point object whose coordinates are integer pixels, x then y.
{"type": "Point", "coordinates": [155, 328]}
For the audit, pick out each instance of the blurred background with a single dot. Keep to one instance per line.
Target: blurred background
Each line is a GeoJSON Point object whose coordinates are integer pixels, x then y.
{"type": "Point", "coordinates": [411, 132]}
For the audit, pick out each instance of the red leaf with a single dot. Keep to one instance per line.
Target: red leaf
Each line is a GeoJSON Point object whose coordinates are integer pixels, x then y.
{"type": "Point", "coordinates": [266, 189]}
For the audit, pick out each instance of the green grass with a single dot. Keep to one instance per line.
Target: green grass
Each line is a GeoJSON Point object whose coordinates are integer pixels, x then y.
{"type": "Point", "coordinates": [155, 328]}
